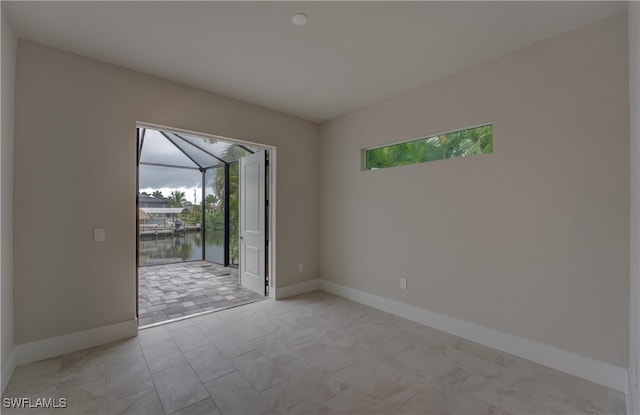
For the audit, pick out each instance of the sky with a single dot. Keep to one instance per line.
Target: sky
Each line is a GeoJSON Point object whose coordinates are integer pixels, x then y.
{"type": "Point", "coordinates": [168, 179]}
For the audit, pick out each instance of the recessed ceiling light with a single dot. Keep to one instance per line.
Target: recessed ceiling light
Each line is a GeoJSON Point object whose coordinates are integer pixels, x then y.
{"type": "Point", "coordinates": [300, 19]}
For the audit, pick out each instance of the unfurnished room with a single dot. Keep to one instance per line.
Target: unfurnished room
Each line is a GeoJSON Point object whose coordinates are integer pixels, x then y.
{"type": "Point", "coordinates": [319, 207]}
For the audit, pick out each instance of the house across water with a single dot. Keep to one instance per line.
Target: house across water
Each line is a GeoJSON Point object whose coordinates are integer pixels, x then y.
{"type": "Point", "coordinates": [162, 221]}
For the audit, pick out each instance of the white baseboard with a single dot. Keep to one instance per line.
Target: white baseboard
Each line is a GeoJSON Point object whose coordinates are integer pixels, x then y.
{"type": "Point", "coordinates": [67, 343]}
{"type": "Point", "coordinates": [295, 289]}
{"type": "Point", "coordinates": [593, 370]}
{"type": "Point", "coordinates": [7, 370]}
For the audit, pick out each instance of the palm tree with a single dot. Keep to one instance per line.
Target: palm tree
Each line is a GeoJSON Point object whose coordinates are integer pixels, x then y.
{"type": "Point", "coordinates": [157, 194]}
{"type": "Point", "coordinates": [211, 202]}
{"type": "Point", "coordinates": [177, 199]}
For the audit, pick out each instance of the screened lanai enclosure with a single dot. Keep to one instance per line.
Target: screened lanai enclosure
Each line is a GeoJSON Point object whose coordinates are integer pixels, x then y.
{"type": "Point", "coordinates": [196, 217]}
{"type": "Point", "coordinates": [188, 225]}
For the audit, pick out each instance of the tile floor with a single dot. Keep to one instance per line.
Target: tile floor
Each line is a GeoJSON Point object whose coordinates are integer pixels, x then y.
{"type": "Point", "coordinates": [177, 290]}
{"type": "Point", "coordinates": [311, 354]}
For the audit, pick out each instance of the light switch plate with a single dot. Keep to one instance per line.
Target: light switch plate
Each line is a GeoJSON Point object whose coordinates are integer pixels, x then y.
{"type": "Point", "coordinates": [99, 235]}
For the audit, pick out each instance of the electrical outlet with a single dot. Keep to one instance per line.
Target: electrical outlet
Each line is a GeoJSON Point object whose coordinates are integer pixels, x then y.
{"type": "Point", "coordinates": [300, 267]}
{"type": "Point", "coordinates": [403, 283]}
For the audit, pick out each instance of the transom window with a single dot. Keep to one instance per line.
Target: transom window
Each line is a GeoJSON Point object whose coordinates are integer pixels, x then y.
{"type": "Point", "coordinates": [462, 143]}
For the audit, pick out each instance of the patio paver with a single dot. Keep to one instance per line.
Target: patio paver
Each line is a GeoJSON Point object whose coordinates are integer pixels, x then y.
{"type": "Point", "coordinates": [172, 291]}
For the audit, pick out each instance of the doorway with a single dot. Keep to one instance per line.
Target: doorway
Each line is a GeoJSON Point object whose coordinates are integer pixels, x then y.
{"type": "Point", "coordinates": [193, 196]}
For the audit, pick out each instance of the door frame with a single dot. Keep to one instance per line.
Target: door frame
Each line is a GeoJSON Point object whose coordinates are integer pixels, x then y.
{"type": "Point", "coordinates": [271, 197]}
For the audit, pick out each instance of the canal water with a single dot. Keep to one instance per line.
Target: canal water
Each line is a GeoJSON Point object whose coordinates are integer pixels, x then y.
{"type": "Point", "coordinates": [181, 248]}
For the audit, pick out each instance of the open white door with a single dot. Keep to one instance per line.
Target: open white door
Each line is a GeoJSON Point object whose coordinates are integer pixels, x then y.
{"type": "Point", "coordinates": [253, 222]}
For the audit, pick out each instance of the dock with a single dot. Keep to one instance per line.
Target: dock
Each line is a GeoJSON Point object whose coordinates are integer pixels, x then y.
{"type": "Point", "coordinates": [154, 230]}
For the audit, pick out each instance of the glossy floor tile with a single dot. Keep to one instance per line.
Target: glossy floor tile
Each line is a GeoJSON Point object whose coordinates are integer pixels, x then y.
{"type": "Point", "coordinates": [311, 354]}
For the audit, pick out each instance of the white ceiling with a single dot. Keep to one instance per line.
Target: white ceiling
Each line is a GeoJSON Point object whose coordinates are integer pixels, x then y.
{"type": "Point", "coordinates": [349, 55]}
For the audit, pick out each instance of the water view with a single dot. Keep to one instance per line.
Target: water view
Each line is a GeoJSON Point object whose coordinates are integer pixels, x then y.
{"type": "Point", "coordinates": [182, 247]}
{"type": "Point", "coordinates": [187, 183]}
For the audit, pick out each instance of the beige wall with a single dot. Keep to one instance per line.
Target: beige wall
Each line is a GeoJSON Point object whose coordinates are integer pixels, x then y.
{"type": "Point", "coordinates": [9, 43]}
{"type": "Point", "coordinates": [634, 111]}
{"type": "Point", "coordinates": [531, 240]}
{"type": "Point", "coordinates": [75, 170]}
